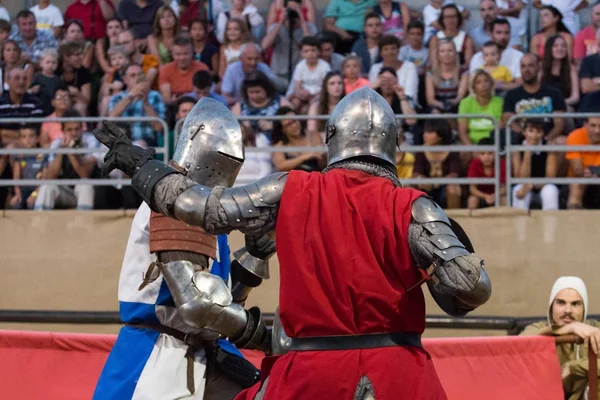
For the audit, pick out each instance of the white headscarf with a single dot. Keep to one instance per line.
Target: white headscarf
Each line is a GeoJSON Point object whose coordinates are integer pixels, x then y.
{"type": "Point", "coordinates": [568, 282]}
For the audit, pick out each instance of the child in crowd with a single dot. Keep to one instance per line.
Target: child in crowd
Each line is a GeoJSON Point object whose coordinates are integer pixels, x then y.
{"type": "Point", "coordinates": [351, 73]}
{"type": "Point", "coordinates": [61, 103]}
{"type": "Point", "coordinates": [48, 17]}
{"type": "Point", "coordinates": [204, 51]}
{"type": "Point", "coordinates": [491, 59]}
{"type": "Point", "coordinates": [327, 52]}
{"type": "Point", "coordinates": [4, 30]}
{"type": "Point", "coordinates": [27, 167]}
{"type": "Point", "coordinates": [534, 164]}
{"type": "Point", "coordinates": [405, 162]}
{"type": "Point", "coordinates": [236, 34]}
{"type": "Point", "coordinates": [431, 13]}
{"type": "Point", "coordinates": [113, 81]}
{"type": "Point", "coordinates": [118, 61]}
{"type": "Point", "coordinates": [415, 51]}
{"type": "Point", "coordinates": [305, 85]}
{"type": "Point", "coordinates": [183, 106]}
{"type": "Point", "coordinates": [45, 83]}
{"type": "Point", "coordinates": [481, 196]}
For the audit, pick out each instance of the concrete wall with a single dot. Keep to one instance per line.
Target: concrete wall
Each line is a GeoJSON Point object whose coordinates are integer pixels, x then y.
{"type": "Point", "coordinates": [67, 260]}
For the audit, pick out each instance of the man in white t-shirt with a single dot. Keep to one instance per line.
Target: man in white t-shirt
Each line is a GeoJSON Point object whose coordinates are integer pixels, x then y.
{"type": "Point", "coordinates": [510, 57]}
{"type": "Point", "coordinates": [568, 9]}
{"type": "Point", "coordinates": [48, 17]}
{"type": "Point", "coordinates": [308, 76]}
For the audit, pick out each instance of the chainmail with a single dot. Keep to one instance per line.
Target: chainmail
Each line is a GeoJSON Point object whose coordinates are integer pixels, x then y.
{"type": "Point", "coordinates": [371, 168]}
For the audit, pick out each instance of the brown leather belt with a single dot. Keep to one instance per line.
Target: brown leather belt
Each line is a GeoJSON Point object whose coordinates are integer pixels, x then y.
{"type": "Point", "coordinates": [355, 342]}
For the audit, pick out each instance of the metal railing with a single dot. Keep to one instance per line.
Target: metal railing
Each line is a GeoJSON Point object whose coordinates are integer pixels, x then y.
{"type": "Point", "coordinates": [510, 149]}
{"type": "Point", "coordinates": [97, 150]}
{"type": "Point", "coordinates": [511, 325]}
{"type": "Point", "coordinates": [165, 150]}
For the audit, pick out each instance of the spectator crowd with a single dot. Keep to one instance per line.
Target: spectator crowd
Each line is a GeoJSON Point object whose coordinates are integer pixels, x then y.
{"type": "Point", "coordinates": [147, 58]}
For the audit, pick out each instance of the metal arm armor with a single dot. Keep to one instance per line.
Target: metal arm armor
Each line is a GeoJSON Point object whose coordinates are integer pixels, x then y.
{"type": "Point", "coordinates": [204, 301]}
{"type": "Point", "coordinates": [251, 209]}
{"type": "Point", "coordinates": [250, 265]}
{"type": "Point", "coordinates": [459, 283]}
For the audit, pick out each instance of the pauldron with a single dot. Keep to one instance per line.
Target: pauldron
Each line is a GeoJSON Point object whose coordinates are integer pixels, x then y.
{"type": "Point", "coordinates": [251, 208]}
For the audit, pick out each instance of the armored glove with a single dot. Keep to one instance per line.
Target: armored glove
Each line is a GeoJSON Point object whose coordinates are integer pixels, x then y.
{"type": "Point", "coordinates": [260, 246]}
{"type": "Point", "coordinates": [122, 155]}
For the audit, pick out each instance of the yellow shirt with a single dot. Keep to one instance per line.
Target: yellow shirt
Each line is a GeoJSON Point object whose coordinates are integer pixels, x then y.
{"type": "Point", "coordinates": [405, 166]}
{"type": "Point", "coordinates": [500, 73]}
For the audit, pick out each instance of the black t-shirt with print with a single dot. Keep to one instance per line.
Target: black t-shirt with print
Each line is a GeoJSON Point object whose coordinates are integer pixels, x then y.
{"type": "Point", "coordinates": [545, 101]}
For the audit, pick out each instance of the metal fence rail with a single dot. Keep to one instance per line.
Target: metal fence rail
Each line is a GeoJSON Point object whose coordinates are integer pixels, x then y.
{"type": "Point", "coordinates": [18, 121]}
{"type": "Point", "coordinates": [495, 180]}
{"type": "Point", "coordinates": [512, 325]}
{"type": "Point", "coordinates": [165, 150]}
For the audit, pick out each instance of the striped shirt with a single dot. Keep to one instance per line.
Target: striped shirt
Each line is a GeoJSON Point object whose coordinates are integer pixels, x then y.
{"type": "Point", "coordinates": [28, 108]}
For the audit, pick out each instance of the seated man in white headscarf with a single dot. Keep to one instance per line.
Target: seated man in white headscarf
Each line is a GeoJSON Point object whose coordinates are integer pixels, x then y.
{"type": "Point", "coordinates": [567, 311]}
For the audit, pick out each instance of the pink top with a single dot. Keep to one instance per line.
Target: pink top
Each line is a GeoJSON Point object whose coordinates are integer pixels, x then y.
{"type": "Point", "coordinates": [542, 43]}
{"type": "Point", "coordinates": [585, 43]}
{"type": "Point", "coordinates": [351, 87]}
{"type": "Point", "coordinates": [54, 129]}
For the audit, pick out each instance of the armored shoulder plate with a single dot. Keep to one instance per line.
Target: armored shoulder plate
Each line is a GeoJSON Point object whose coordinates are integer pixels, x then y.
{"type": "Point", "coordinates": [245, 202]}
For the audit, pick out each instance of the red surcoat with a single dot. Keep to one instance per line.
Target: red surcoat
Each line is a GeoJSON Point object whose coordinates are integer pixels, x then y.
{"type": "Point", "coordinates": [345, 267]}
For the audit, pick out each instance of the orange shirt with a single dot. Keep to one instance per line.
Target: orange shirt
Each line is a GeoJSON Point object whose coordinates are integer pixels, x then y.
{"type": "Point", "coordinates": [579, 137]}
{"type": "Point", "coordinates": [180, 81]}
{"type": "Point", "coordinates": [149, 61]}
{"type": "Point", "coordinates": [351, 87]}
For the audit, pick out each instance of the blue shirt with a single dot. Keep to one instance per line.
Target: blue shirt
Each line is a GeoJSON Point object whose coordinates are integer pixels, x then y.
{"type": "Point", "coordinates": [234, 77]}
{"type": "Point", "coordinates": [212, 95]}
{"type": "Point", "coordinates": [43, 40]}
{"type": "Point", "coordinates": [141, 130]}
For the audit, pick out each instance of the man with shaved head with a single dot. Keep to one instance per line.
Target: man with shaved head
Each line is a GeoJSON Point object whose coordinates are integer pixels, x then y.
{"type": "Point", "coordinates": [567, 311]}
{"type": "Point", "coordinates": [16, 103]}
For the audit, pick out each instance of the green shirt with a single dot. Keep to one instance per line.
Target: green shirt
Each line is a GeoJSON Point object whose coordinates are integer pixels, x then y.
{"type": "Point", "coordinates": [479, 128]}
{"type": "Point", "coordinates": [349, 15]}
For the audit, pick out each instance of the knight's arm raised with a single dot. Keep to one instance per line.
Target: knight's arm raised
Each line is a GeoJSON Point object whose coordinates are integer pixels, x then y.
{"type": "Point", "coordinates": [459, 283]}
{"type": "Point", "coordinates": [251, 209]}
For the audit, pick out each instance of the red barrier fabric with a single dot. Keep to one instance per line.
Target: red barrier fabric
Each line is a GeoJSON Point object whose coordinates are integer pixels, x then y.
{"type": "Point", "coordinates": [65, 366]}
{"type": "Point", "coordinates": [52, 366]}
{"type": "Point", "coordinates": [497, 368]}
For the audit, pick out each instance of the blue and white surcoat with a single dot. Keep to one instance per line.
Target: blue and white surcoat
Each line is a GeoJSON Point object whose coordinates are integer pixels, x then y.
{"type": "Point", "coordinates": [146, 364]}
